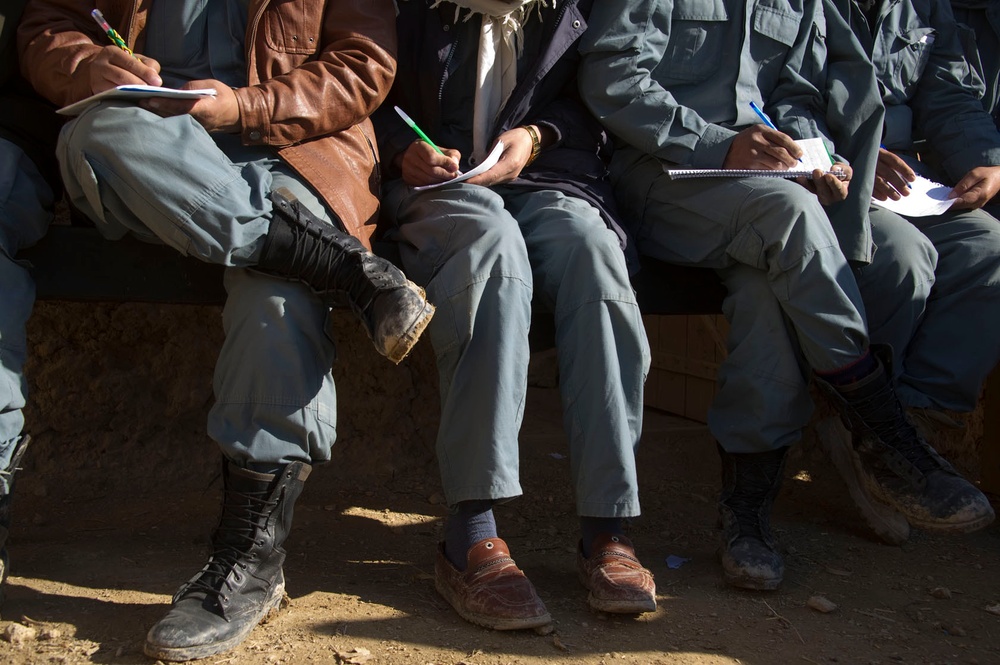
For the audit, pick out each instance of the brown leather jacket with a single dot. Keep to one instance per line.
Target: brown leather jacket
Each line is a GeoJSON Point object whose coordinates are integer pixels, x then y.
{"type": "Point", "coordinates": [316, 71]}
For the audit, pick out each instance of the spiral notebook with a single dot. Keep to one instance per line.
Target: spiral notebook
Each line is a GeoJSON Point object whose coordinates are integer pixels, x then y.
{"type": "Point", "coordinates": [814, 156]}
{"type": "Point", "coordinates": [678, 174]}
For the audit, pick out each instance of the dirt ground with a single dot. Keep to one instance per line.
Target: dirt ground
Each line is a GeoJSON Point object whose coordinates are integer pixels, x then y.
{"type": "Point", "coordinates": [121, 490]}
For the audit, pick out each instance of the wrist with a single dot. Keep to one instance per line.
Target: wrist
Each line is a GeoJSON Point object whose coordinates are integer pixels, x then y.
{"type": "Point", "coordinates": [536, 142]}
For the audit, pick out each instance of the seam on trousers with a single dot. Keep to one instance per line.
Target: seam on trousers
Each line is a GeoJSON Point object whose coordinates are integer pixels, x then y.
{"type": "Point", "coordinates": [767, 375]}
{"type": "Point", "coordinates": [628, 508]}
{"type": "Point", "coordinates": [317, 410]}
{"type": "Point", "coordinates": [561, 312]}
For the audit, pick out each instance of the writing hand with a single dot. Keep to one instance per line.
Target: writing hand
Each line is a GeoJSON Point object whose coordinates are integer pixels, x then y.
{"type": "Point", "coordinates": [829, 189]}
{"type": "Point", "coordinates": [977, 187]}
{"type": "Point", "coordinates": [892, 177]}
{"type": "Point", "coordinates": [112, 67]}
{"type": "Point", "coordinates": [220, 113]}
{"type": "Point", "coordinates": [762, 148]}
{"type": "Point", "coordinates": [421, 165]}
{"type": "Point", "coordinates": [513, 159]}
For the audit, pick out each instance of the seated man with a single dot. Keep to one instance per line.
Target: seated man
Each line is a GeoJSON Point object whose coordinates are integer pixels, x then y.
{"type": "Point", "coordinates": [946, 335]}
{"type": "Point", "coordinates": [673, 80]}
{"type": "Point", "coordinates": [537, 224]}
{"type": "Point", "coordinates": [29, 179]}
{"type": "Point", "coordinates": [273, 173]}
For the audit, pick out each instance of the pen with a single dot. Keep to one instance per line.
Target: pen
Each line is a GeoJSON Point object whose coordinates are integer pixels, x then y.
{"type": "Point", "coordinates": [763, 116]}
{"type": "Point", "coordinates": [409, 121]}
{"type": "Point", "coordinates": [111, 32]}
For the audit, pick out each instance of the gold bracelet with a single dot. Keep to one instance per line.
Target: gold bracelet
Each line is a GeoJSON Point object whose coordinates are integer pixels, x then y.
{"type": "Point", "coordinates": [536, 143]}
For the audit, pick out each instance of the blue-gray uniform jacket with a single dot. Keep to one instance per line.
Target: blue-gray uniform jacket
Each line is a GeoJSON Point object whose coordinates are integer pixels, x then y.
{"type": "Point", "coordinates": [982, 50]}
{"type": "Point", "coordinates": [675, 78]}
{"type": "Point", "coordinates": [545, 94]}
{"type": "Point", "coordinates": [929, 89]}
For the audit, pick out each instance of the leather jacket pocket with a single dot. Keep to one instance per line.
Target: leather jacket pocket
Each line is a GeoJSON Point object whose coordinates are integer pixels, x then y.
{"type": "Point", "coordinates": [293, 26]}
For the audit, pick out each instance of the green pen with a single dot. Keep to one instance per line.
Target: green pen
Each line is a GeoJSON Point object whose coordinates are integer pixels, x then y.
{"type": "Point", "coordinates": [111, 32]}
{"type": "Point", "coordinates": [409, 121]}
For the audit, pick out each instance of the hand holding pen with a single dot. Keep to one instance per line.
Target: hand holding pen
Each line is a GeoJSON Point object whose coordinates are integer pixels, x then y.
{"type": "Point", "coordinates": [423, 162]}
{"type": "Point", "coordinates": [116, 65]}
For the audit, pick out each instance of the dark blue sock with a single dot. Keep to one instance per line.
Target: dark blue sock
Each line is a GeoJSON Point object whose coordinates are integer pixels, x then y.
{"type": "Point", "coordinates": [592, 527]}
{"type": "Point", "coordinates": [854, 372]}
{"type": "Point", "coordinates": [468, 523]}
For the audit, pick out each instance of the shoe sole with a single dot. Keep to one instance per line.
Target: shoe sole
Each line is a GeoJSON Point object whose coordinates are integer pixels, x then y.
{"type": "Point", "coordinates": [959, 527]}
{"type": "Point", "coordinates": [620, 606]}
{"type": "Point", "coordinates": [752, 583]}
{"type": "Point", "coordinates": [406, 343]}
{"type": "Point", "coordinates": [179, 654]}
{"type": "Point", "coordinates": [885, 521]}
{"type": "Point", "coordinates": [492, 622]}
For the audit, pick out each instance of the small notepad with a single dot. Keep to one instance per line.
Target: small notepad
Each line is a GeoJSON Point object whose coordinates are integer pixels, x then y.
{"type": "Point", "coordinates": [135, 92]}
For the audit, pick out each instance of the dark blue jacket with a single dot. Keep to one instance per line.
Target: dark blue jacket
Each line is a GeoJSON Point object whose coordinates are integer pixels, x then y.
{"type": "Point", "coordinates": [546, 94]}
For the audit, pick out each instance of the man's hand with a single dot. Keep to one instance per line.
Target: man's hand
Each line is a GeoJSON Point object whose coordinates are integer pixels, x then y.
{"type": "Point", "coordinates": [976, 188]}
{"type": "Point", "coordinates": [112, 67]}
{"type": "Point", "coordinates": [892, 177]}
{"type": "Point", "coordinates": [220, 113]}
{"type": "Point", "coordinates": [513, 159]}
{"type": "Point", "coordinates": [762, 148]}
{"type": "Point", "coordinates": [829, 189]}
{"type": "Point", "coordinates": [421, 165]}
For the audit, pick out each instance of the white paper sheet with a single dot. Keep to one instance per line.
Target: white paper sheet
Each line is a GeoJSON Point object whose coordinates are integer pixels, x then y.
{"type": "Point", "coordinates": [484, 166]}
{"type": "Point", "coordinates": [134, 92]}
{"type": "Point", "coordinates": [814, 155]}
{"type": "Point", "coordinates": [925, 198]}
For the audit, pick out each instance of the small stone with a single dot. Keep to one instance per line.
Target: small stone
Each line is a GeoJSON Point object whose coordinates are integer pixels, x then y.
{"type": "Point", "coordinates": [954, 629]}
{"type": "Point", "coordinates": [993, 609]}
{"type": "Point", "coordinates": [50, 634]}
{"type": "Point", "coordinates": [19, 635]}
{"type": "Point", "coordinates": [941, 592]}
{"type": "Point", "coordinates": [436, 499]}
{"type": "Point", "coordinates": [547, 629]}
{"type": "Point", "coordinates": [821, 604]}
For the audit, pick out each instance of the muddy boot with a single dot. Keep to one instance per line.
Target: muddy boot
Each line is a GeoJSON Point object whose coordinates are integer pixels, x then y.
{"type": "Point", "coordinates": [749, 553]}
{"type": "Point", "coordinates": [895, 465]}
{"type": "Point", "coordinates": [299, 246]}
{"type": "Point", "coordinates": [243, 580]}
{"type": "Point", "coordinates": [6, 495]}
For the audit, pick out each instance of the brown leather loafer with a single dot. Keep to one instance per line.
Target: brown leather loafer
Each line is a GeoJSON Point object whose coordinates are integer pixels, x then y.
{"type": "Point", "coordinates": [492, 592]}
{"type": "Point", "coordinates": [617, 581]}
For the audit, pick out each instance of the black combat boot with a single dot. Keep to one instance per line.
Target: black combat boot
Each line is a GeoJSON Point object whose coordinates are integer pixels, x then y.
{"type": "Point", "coordinates": [243, 580]}
{"type": "Point", "coordinates": [6, 495]}
{"type": "Point", "coordinates": [335, 264]}
{"type": "Point", "coordinates": [749, 553]}
{"type": "Point", "coordinates": [894, 465]}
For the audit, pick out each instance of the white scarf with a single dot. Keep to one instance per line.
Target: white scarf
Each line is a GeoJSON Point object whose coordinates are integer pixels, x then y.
{"type": "Point", "coordinates": [500, 44]}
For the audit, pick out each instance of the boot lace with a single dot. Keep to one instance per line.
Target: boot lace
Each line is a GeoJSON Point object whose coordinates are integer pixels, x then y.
{"type": "Point", "coordinates": [242, 516]}
{"type": "Point", "coordinates": [329, 265]}
{"type": "Point", "coordinates": [884, 415]}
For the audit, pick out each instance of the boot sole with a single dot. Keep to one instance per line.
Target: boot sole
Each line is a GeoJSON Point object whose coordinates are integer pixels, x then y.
{"type": "Point", "coordinates": [752, 583]}
{"type": "Point", "coordinates": [884, 520]}
{"type": "Point", "coordinates": [487, 621]}
{"type": "Point", "coordinates": [412, 336]}
{"type": "Point", "coordinates": [179, 654]}
{"type": "Point", "coordinates": [958, 527]}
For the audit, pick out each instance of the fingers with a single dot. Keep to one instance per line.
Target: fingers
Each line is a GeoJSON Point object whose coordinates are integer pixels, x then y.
{"type": "Point", "coordinates": [782, 147]}
{"type": "Point", "coordinates": [892, 176]}
{"type": "Point", "coordinates": [112, 67]}
{"type": "Point", "coordinates": [977, 187]}
{"type": "Point", "coordinates": [422, 165]}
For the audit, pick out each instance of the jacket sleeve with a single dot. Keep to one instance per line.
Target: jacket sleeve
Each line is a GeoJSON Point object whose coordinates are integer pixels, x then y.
{"type": "Point", "coordinates": [338, 88]}
{"type": "Point", "coordinates": [945, 111]}
{"type": "Point", "coordinates": [56, 40]}
{"type": "Point", "coordinates": [624, 43]}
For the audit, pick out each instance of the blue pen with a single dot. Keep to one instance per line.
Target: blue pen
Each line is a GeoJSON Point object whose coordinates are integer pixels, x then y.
{"type": "Point", "coordinates": [763, 116]}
